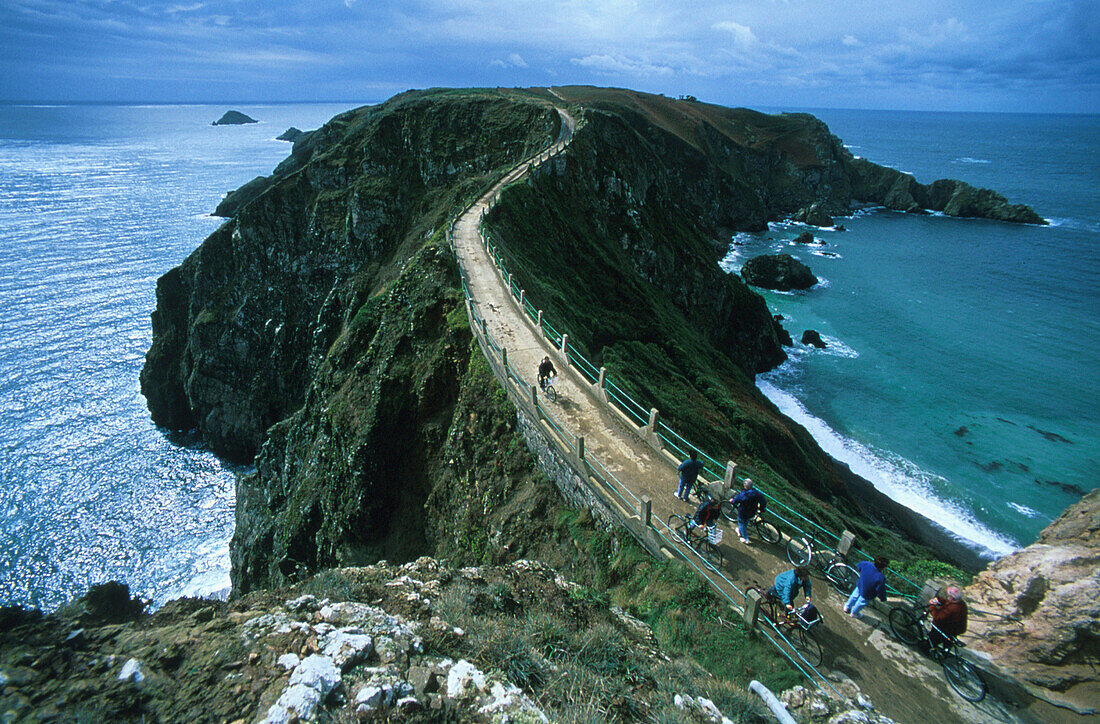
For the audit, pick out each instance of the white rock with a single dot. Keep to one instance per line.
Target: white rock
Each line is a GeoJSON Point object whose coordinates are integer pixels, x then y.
{"type": "Point", "coordinates": [299, 702]}
{"type": "Point", "coordinates": [864, 702]}
{"type": "Point", "coordinates": [316, 672]}
{"type": "Point", "coordinates": [510, 700]}
{"type": "Point", "coordinates": [818, 709]}
{"type": "Point", "coordinates": [464, 678]}
{"type": "Point", "coordinates": [678, 700]}
{"type": "Point", "coordinates": [346, 648]}
{"type": "Point", "coordinates": [371, 698]}
{"type": "Point", "coordinates": [288, 661]}
{"type": "Point", "coordinates": [709, 709]}
{"type": "Point", "coordinates": [302, 603]}
{"type": "Point", "coordinates": [132, 671]}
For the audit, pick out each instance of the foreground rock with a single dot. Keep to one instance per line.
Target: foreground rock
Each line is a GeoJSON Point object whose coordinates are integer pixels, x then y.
{"type": "Point", "coordinates": [233, 118]}
{"type": "Point", "coordinates": [1051, 590]}
{"type": "Point", "coordinates": [420, 642]}
{"type": "Point", "coordinates": [781, 272]}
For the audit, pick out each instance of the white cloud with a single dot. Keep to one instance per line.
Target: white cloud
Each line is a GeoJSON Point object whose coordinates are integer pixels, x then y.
{"type": "Point", "coordinates": [517, 60]}
{"type": "Point", "coordinates": [743, 36]}
{"type": "Point", "coordinates": [851, 41]}
{"type": "Point", "coordinates": [613, 64]}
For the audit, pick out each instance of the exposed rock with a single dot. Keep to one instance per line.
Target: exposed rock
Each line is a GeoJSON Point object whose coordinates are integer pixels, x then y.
{"type": "Point", "coordinates": [814, 215]}
{"type": "Point", "coordinates": [291, 134]}
{"type": "Point", "coordinates": [234, 200]}
{"type": "Point", "coordinates": [783, 335]}
{"type": "Point", "coordinates": [132, 671]}
{"type": "Point", "coordinates": [812, 337]}
{"type": "Point", "coordinates": [233, 118]}
{"type": "Point", "coordinates": [1050, 590]}
{"type": "Point", "coordinates": [806, 237]}
{"type": "Point", "coordinates": [781, 272]}
{"type": "Point", "coordinates": [808, 705]}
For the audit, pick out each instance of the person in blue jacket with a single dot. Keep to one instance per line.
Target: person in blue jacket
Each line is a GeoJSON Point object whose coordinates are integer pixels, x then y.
{"type": "Point", "coordinates": [788, 583]}
{"type": "Point", "coordinates": [689, 471]}
{"type": "Point", "coordinates": [748, 502]}
{"type": "Point", "coordinates": [870, 585]}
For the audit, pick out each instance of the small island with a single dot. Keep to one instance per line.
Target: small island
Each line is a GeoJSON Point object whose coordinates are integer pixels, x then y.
{"type": "Point", "coordinates": [233, 118]}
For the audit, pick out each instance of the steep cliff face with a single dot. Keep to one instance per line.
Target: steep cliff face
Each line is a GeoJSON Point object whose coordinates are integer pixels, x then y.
{"type": "Point", "coordinates": [242, 325]}
{"type": "Point", "coordinates": [1050, 589]}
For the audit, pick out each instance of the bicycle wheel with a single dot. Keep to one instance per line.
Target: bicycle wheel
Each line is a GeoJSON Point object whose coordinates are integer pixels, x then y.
{"type": "Point", "coordinates": [842, 576]}
{"type": "Point", "coordinates": [551, 393]}
{"type": "Point", "coordinates": [804, 641]}
{"type": "Point", "coordinates": [905, 626]}
{"type": "Point", "coordinates": [709, 552]}
{"type": "Point", "coordinates": [678, 524]}
{"type": "Point", "coordinates": [768, 532]}
{"type": "Point", "coordinates": [964, 678]}
{"type": "Point", "coordinates": [799, 551]}
{"type": "Point", "coordinates": [728, 511]}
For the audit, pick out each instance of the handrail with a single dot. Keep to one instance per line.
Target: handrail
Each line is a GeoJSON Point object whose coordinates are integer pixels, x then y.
{"type": "Point", "coordinates": [599, 470]}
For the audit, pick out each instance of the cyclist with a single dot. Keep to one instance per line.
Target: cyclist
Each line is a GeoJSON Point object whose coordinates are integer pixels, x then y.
{"type": "Point", "coordinates": [546, 370]}
{"type": "Point", "coordinates": [788, 582]}
{"type": "Point", "coordinates": [706, 514]}
{"type": "Point", "coordinates": [689, 471]}
{"type": "Point", "coordinates": [949, 616]}
{"type": "Point", "coordinates": [871, 584]}
{"type": "Point", "coordinates": [748, 502]}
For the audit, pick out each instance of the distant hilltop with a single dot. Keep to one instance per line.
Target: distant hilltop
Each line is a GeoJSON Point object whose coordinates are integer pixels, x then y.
{"type": "Point", "coordinates": [233, 118]}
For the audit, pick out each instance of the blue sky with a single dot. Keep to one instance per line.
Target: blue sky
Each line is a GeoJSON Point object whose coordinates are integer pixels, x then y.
{"type": "Point", "coordinates": [993, 55]}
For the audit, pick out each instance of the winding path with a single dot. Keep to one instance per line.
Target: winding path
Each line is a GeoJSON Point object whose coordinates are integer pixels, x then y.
{"type": "Point", "coordinates": [901, 683]}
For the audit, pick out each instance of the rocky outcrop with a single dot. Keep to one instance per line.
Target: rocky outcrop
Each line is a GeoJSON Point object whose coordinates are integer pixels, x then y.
{"type": "Point", "coordinates": [781, 272]}
{"type": "Point", "coordinates": [1048, 591]}
{"type": "Point", "coordinates": [233, 118]}
{"type": "Point", "coordinates": [806, 237]}
{"type": "Point", "coordinates": [901, 192]}
{"type": "Point", "coordinates": [291, 134]}
{"type": "Point", "coordinates": [812, 337]}
{"type": "Point", "coordinates": [420, 642]}
{"type": "Point", "coordinates": [237, 198]}
{"type": "Point", "coordinates": [814, 215]}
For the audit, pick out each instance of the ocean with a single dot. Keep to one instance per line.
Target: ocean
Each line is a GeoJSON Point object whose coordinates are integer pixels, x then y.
{"type": "Point", "coordinates": [960, 374]}
{"type": "Point", "coordinates": [96, 202]}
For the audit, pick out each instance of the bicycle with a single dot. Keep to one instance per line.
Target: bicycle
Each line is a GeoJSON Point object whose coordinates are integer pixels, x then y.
{"type": "Point", "coordinates": [907, 623]}
{"type": "Point", "coordinates": [547, 385]}
{"type": "Point", "coordinates": [698, 541]}
{"type": "Point", "coordinates": [798, 630]}
{"type": "Point", "coordinates": [832, 564]}
{"type": "Point", "coordinates": [765, 530]}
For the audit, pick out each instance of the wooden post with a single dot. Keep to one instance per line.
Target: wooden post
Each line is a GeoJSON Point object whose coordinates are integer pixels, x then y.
{"type": "Point", "coordinates": [931, 588]}
{"type": "Point", "coordinates": [847, 539]}
{"type": "Point", "coordinates": [651, 428]}
{"type": "Point", "coordinates": [752, 608]}
{"type": "Point", "coordinates": [534, 396]}
{"type": "Point", "coordinates": [601, 389]}
{"type": "Point", "coordinates": [646, 511]}
{"type": "Point", "coordinates": [565, 347]}
{"type": "Point", "coordinates": [522, 298]}
{"type": "Point", "coordinates": [504, 362]}
{"type": "Point", "coordinates": [603, 377]}
{"type": "Point", "coordinates": [580, 447]}
{"type": "Point", "coordinates": [540, 322]}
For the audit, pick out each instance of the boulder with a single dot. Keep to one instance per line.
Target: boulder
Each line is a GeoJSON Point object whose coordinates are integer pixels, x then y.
{"type": "Point", "coordinates": [811, 337]}
{"type": "Point", "coordinates": [805, 237]}
{"type": "Point", "coordinates": [1048, 591]}
{"type": "Point", "coordinates": [781, 272]}
{"type": "Point", "coordinates": [233, 118]}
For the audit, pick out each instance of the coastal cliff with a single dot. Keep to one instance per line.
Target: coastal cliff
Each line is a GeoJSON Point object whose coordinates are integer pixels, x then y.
{"type": "Point", "coordinates": [320, 332]}
{"type": "Point", "coordinates": [1047, 632]}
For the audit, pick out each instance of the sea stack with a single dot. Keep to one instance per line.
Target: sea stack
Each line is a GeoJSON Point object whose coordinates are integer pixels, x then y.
{"type": "Point", "coordinates": [233, 118]}
{"type": "Point", "coordinates": [781, 272]}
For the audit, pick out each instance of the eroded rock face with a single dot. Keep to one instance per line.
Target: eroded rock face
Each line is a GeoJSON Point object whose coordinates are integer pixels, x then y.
{"type": "Point", "coordinates": [781, 272]}
{"type": "Point", "coordinates": [1053, 588]}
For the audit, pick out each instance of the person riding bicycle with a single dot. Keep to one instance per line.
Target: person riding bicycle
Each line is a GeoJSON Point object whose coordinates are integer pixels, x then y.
{"type": "Point", "coordinates": [546, 370]}
{"type": "Point", "coordinates": [788, 582]}
{"type": "Point", "coordinates": [706, 514]}
{"type": "Point", "coordinates": [949, 616]}
{"type": "Point", "coordinates": [748, 502]}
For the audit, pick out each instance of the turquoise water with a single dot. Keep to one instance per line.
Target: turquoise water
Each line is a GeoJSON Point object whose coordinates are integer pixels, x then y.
{"type": "Point", "coordinates": [96, 202]}
{"type": "Point", "coordinates": [961, 375]}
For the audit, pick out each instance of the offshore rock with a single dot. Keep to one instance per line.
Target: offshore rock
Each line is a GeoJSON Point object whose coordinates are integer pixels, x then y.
{"type": "Point", "coordinates": [291, 134]}
{"type": "Point", "coordinates": [781, 272]}
{"type": "Point", "coordinates": [812, 337]}
{"type": "Point", "coordinates": [1049, 589]}
{"type": "Point", "coordinates": [233, 118]}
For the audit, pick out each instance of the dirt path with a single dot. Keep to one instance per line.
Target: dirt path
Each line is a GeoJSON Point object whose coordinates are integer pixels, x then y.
{"type": "Point", "coordinates": [902, 684]}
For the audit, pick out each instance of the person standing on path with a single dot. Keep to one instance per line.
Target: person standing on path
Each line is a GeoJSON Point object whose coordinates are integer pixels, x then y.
{"type": "Point", "coordinates": [748, 502]}
{"type": "Point", "coordinates": [870, 584]}
{"type": "Point", "coordinates": [689, 471]}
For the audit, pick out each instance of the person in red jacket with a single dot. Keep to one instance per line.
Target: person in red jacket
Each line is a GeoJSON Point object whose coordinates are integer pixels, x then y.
{"type": "Point", "coordinates": [949, 616]}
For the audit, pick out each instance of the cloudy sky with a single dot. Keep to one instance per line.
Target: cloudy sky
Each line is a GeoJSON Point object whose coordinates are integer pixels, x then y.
{"type": "Point", "coordinates": [996, 55]}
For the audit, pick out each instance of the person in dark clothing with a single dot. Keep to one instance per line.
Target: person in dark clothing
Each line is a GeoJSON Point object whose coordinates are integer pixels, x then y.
{"type": "Point", "coordinates": [949, 617]}
{"type": "Point", "coordinates": [546, 369]}
{"type": "Point", "coordinates": [689, 471]}
{"type": "Point", "coordinates": [706, 514]}
{"type": "Point", "coordinates": [870, 585]}
{"type": "Point", "coordinates": [748, 502]}
{"type": "Point", "coordinates": [787, 584]}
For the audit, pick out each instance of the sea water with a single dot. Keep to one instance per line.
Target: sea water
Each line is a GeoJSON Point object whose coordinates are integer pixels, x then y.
{"type": "Point", "coordinates": [96, 202]}
{"type": "Point", "coordinates": [961, 372]}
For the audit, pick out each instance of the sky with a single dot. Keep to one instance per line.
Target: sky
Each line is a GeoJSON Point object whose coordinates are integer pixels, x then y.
{"type": "Point", "coordinates": [990, 55]}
